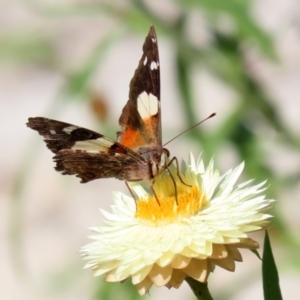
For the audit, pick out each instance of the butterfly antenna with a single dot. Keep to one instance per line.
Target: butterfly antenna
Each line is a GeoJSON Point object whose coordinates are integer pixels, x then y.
{"type": "Point", "coordinates": [212, 115]}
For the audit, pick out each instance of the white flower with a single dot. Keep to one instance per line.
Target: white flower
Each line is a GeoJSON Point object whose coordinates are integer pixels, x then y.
{"type": "Point", "coordinates": [188, 235]}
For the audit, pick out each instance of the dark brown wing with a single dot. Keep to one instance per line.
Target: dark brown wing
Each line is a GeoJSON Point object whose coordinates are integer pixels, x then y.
{"type": "Point", "coordinates": [141, 117]}
{"type": "Point", "coordinates": [89, 165]}
{"type": "Point", "coordinates": [60, 135]}
{"type": "Point", "coordinates": [85, 153]}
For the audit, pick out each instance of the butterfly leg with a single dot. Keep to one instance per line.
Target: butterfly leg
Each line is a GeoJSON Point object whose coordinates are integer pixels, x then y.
{"type": "Point", "coordinates": [132, 194]}
{"type": "Point", "coordinates": [134, 197]}
{"type": "Point", "coordinates": [154, 193]}
{"type": "Point", "coordinates": [177, 168]}
{"type": "Point", "coordinates": [173, 180]}
{"type": "Point", "coordinates": [174, 183]}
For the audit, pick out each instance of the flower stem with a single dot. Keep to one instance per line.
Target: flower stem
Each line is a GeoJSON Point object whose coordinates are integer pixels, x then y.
{"type": "Point", "coordinates": [200, 289]}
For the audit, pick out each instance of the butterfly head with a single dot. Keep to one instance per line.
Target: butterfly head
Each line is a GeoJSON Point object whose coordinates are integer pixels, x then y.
{"type": "Point", "coordinates": [157, 157]}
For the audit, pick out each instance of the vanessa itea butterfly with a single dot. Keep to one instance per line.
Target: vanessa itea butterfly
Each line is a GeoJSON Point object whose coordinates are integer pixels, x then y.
{"type": "Point", "coordinates": [137, 154]}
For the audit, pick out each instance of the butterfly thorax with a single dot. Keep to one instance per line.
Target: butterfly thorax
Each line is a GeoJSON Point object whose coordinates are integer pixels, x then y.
{"type": "Point", "coordinates": [156, 156]}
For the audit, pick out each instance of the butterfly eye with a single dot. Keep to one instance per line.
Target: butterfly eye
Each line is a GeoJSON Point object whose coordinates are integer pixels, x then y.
{"type": "Point", "coordinates": [156, 157]}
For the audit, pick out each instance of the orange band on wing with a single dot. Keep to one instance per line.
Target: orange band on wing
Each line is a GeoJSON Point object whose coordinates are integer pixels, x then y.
{"type": "Point", "coordinates": [135, 139]}
{"type": "Point", "coordinates": [132, 138]}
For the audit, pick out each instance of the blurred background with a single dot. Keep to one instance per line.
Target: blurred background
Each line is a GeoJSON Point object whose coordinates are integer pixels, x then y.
{"type": "Point", "coordinates": [73, 61]}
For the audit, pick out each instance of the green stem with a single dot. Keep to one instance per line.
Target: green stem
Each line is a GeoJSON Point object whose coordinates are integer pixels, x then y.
{"type": "Point", "coordinates": [199, 289]}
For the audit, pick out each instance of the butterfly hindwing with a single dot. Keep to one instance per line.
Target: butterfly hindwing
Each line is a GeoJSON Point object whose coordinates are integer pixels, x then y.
{"type": "Point", "coordinates": [89, 165]}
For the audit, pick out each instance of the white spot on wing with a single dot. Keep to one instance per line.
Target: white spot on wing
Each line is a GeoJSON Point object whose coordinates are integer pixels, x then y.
{"type": "Point", "coordinates": [153, 65]}
{"type": "Point", "coordinates": [145, 61]}
{"type": "Point", "coordinates": [153, 40]}
{"type": "Point", "coordinates": [147, 105]}
{"type": "Point", "coordinates": [69, 129]}
{"type": "Point", "coordinates": [94, 146]}
{"type": "Point", "coordinates": [52, 131]}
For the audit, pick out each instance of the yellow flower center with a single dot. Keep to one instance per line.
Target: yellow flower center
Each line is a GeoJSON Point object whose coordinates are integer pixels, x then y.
{"type": "Point", "coordinates": [169, 209]}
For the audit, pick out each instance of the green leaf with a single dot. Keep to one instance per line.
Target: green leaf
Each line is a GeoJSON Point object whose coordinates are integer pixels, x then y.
{"type": "Point", "coordinates": [67, 10]}
{"type": "Point", "coordinates": [79, 82]}
{"type": "Point", "coordinates": [116, 290]}
{"type": "Point", "coordinates": [29, 46]}
{"type": "Point", "coordinates": [238, 13]}
{"type": "Point", "coordinates": [270, 274]}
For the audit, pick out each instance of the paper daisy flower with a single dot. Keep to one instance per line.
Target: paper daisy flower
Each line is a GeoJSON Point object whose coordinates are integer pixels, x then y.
{"type": "Point", "coordinates": [184, 236]}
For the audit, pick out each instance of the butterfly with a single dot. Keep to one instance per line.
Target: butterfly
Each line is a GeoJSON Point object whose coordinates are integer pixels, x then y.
{"type": "Point", "coordinates": [137, 153]}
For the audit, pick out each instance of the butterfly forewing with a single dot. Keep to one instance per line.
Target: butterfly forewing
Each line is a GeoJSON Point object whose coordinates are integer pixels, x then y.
{"type": "Point", "coordinates": [60, 135]}
{"type": "Point", "coordinates": [141, 117]}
